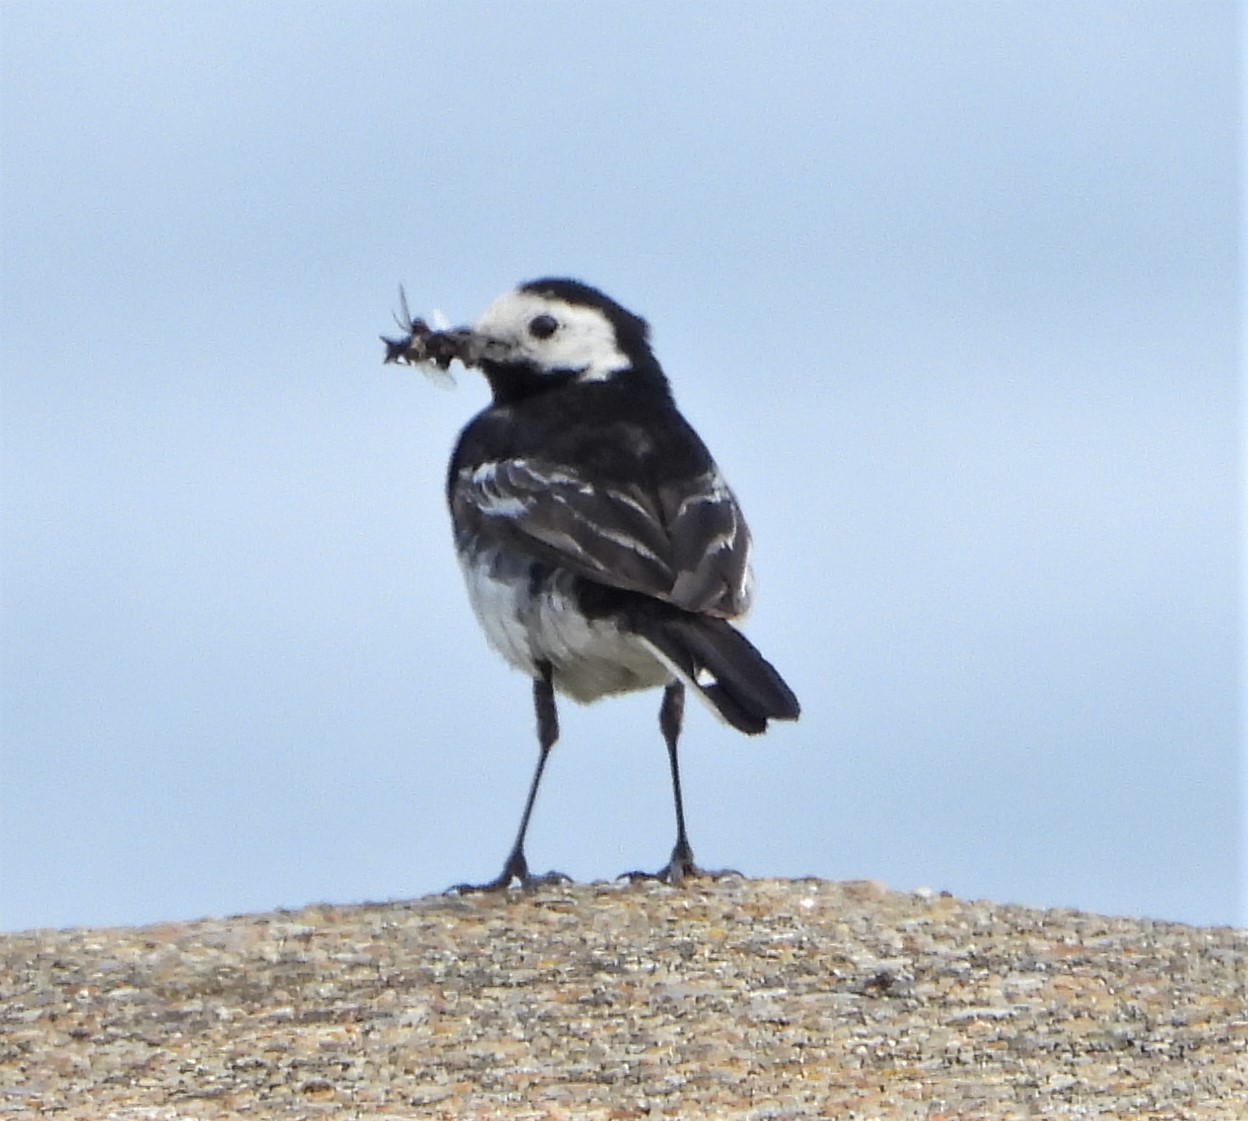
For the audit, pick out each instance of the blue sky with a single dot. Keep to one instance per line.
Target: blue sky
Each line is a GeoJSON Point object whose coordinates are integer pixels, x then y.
{"type": "Point", "coordinates": [951, 289]}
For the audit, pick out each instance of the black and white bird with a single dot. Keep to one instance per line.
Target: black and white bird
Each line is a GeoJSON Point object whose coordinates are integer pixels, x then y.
{"type": "Point", "coordinates": [602, 549]}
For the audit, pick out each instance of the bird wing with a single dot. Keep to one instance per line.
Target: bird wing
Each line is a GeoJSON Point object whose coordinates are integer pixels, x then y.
{"type": "Point", "coordinates": [684, 542]}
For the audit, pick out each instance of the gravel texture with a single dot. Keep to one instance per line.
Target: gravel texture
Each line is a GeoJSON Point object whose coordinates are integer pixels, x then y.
{"type": "Point", "coordinates": [730, 998]}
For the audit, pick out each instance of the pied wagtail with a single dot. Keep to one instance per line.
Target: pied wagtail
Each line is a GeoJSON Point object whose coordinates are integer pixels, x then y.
{"type": "Point", "coordinates": [601, 546]}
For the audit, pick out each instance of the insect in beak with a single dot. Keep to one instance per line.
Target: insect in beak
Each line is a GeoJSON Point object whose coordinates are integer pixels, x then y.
{"type": "Point", "coordinates": [433, 350]}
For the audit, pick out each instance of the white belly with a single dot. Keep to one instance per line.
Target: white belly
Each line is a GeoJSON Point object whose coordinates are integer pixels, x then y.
{"type": "Point", "coordinates": [590, 657]}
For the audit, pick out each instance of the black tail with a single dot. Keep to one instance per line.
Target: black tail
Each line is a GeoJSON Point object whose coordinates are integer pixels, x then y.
{"type": "Point", "coordinates": [721, 663]}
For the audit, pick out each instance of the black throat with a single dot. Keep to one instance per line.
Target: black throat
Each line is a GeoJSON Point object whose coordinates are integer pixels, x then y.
{"type": "Point", "coordinates": [511, 383]}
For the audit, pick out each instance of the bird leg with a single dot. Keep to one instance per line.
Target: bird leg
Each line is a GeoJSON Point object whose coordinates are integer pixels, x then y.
{"type": "Point", "coordinates": [671, 718]}
{"type": "Point", "coordinates": [680, 865]}
{"type": "Point", "coordinates": [516, 868]}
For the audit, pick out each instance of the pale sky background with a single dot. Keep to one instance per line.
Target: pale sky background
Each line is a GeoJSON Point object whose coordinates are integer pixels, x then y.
{"type": "Point", "coordinates": [951, 289]}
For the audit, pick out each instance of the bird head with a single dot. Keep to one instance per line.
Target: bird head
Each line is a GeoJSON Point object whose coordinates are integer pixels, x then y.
{"type": "Point", "coordinates": [562, 329]}
{"type": "Point", "coordinates": [544, 333]}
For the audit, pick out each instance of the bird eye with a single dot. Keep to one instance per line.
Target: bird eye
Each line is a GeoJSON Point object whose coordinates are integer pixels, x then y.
{"type": "Point", "coordinates": [543, 326]}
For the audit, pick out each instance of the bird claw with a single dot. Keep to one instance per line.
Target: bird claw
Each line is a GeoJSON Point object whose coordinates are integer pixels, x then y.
{"type": "Point", "coordinates": [503, 883]}
{"type": "Point", "coordinates": [515, 873]}
{"type": "Point", "coordinates": [679, 868]}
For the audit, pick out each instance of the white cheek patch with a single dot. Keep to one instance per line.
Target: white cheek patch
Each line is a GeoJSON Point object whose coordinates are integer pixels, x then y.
{"type": "Point", "coordinates": [587, 342]}
{"type": "Point", "coordinates": [584, 341]}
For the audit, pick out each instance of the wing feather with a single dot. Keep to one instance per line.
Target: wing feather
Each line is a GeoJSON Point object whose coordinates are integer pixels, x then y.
{"type": "Point", "coordinates": [686, 543]}
{"type": "Point", "coordinates": [710, 545]}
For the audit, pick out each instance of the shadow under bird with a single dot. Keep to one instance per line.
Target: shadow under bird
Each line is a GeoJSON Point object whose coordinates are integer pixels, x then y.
{"type": "Point", "coordinates": [602, 549]}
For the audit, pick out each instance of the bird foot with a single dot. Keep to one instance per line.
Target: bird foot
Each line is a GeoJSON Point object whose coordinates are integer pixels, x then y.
{"type": "Point", "coordinates": [504, 882]}
{"type": "Point", "coordinates": [679, 868]}
{"type": "Point", "coordinates": [515, 873]}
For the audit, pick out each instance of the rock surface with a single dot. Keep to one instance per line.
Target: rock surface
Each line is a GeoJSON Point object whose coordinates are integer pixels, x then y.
{"type": "Point", "coordinates": [733, 998]}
